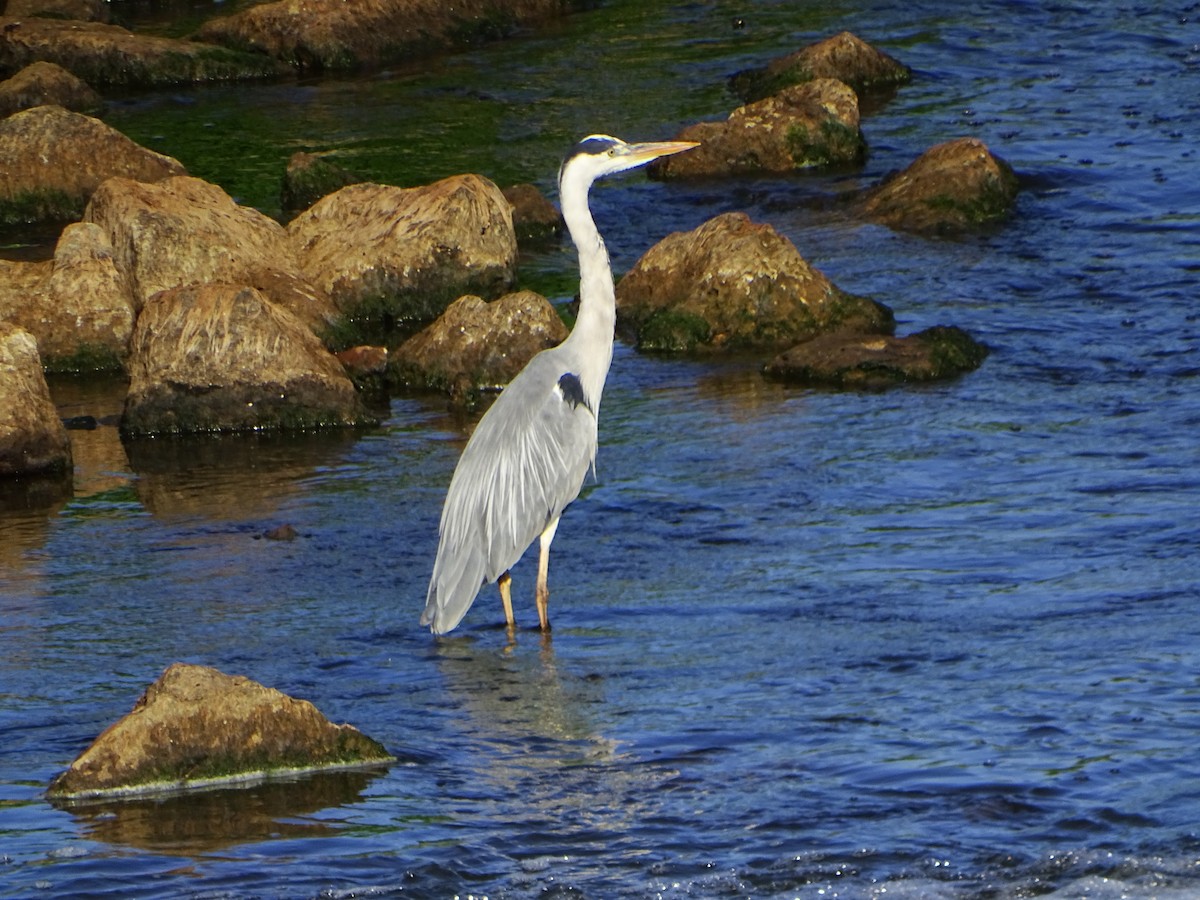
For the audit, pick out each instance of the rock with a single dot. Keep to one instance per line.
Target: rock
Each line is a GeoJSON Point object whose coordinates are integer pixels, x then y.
{"type": "Point", "coordinates": [477, 346]}
{"type": "Point", "coordinates": [82, 10]}
{"type": "Point", "coordinates": [197, 727]}
{"type": "Point", "coordinates": [952, 187]}
{"type": "Point", "coordinates": [52, 160]}
{"type": "Point", "coordinates": [186, 231]}
{"type": "Point", "coordinates": [79, 307]}
{"type": "Point", "coordinates": [732, 284]}
{"type": "Point", "coordinates": [812, 125]}
{"type": "Point", "coordinates": [844, 57]}
{"type": "Point", "coordinates": [32, 437]}
{"type": "Point", "coordinates": [332, 34]}
{"type": "Point", "coordinates": [535, 218]}
{"type": "Point", "coordinates": [43, 84]}
{"type": "Point", "coordinates": [103, 54]}
{"type": "Point", "coordinates": [393, 257]}
{"type": "Point", "coordinates": [873, 361]}
{"type": "Point", "coordinates": [221, 357]}
{"type": "Point", "coordinates": [364, 360]}
{"type": "Point", "coordinates": [310, 177]}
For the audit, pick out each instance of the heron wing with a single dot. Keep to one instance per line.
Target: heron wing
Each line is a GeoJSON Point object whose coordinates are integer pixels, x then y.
{"type": "Point", "coordinates": [524, 463]}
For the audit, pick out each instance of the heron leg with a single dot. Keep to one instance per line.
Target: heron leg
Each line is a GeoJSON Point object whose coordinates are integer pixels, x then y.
{"type": "Point", "coordinates": [505, 584]}
{"type": "Point", "coordinates": [543, 589]}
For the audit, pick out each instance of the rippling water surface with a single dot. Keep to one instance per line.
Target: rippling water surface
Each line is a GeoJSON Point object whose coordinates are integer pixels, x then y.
{"type": "Point", "coordinates": [934, 642]}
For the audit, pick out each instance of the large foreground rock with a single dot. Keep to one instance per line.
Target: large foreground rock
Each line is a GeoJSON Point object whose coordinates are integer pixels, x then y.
{"type": "Point", "coordinates": [333, 34]}
{"type": "Point", "coordinates": [803, 127]}
{"type": "Point", "coordinates": [197, 726]}
{"type": "Point", "coordinates": [733, 284]}
{"type": "Point", "coordinates": [103, 54]}
{"type": "Point", "coordinates": [952, 187]}
{"type": "Point", "coordinates": [874, 361]}
{"type": "Point", "coordinates": [391, 257]}
{"type": "Point", "coordinates": [221, 357]}
{"type": "Point", "coordinates": [844, 56]}
{"type": "Point", "coordinates": [78, 306]}
{"type": "Point", "coordinates": [52, 160]}
{"type": "Point", "coordinates": [186, 231]}
{"type": "Point", "coordinates": [45, 84]}
{"type": "Point", "coordinates": [32, 437]}
{"type": "Point", "coordinates": [476, 346]}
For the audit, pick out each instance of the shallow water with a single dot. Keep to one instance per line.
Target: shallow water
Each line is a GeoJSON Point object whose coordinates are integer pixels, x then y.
{"type": "Point", "coordinates": [935, 642]}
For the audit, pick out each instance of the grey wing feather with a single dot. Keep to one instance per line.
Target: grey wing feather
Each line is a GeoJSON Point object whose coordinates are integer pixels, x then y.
{"type": "Point", "coordinates": [525, 462]}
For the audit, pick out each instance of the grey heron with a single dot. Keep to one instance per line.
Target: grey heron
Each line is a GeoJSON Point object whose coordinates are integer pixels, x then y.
{"type": "Point", "coordinates": [529, 454]}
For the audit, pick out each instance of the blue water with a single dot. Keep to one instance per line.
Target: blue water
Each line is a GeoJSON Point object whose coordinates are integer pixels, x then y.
{"type": "Point", "coordinates": [939, 642]}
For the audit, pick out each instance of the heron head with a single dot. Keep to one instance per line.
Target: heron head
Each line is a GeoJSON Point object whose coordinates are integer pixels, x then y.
{"type": "Point", "coordinates": [598, 155]}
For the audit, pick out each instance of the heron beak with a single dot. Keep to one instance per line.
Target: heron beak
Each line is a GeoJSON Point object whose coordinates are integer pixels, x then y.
{"type": "Point", "coordinates": [643, 153]}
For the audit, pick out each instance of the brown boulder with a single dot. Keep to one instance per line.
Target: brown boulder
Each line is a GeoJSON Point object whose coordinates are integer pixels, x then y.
{"type": "Point", "coordinates": [733, 284]}
{"type": "Point", "coordinates": [52, 160]}
{"type": "Point", "coordinates": [197, 727]}
{"type": "Point", "coordinates": [221, 357]}
{"type": "Point", "coordinates": [477, 346]}
{"type": "Point", "coordinates": [807, 126]}
{"type": "Point", "coordinates": [534, 217]}
{"type": "Point", "coordinates": [32, 437]}
{"type": "Point", "coordinates": [81, 10]}
{"type": "Point", "coordinates": [78, 306]}
{"type": "Point", "coordinates": [186, 231]}
{"type": "Point", "coordinates": [392, 257]}
{"type": "Point", "coordinates": [42, 84]}
{"type": "Point", "coordinates": [103, 54]}
{"type": "Point", "coordinates": [873, 361]}
{"type": "Point", "coordinates": [332, 34]}
{"type": "Point", "coordinates": [951, 188]}
{"type": "Point", "coordinates": [844, 56]}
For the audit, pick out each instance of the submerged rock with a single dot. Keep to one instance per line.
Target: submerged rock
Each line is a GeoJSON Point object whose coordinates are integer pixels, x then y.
{"type": "Point", "coordinates": [392, 257]}
{"type": "Point", "coordinates": [184, 230]}
{"type": "Point", "coordinates": [844, 56]}
{"type": "Point", "coordinates": [52, 160]}
{"type": "Point", "coordinates": [477, 346]}
{"type": "Point", "coordinates": [734, 284]}
{"type": "Point", "coordinates": [33, 439]}
{"type": "Point", "coordinates": [807, 126]}
{"type": "Point", "coordinates": [197, 727]}
{"type": "Point", "coordinates": [45, 84]}
{"type": "Point", "coordinates": [103, 54]}
{"type": "Point", "coordinates": [310, 177]}
{"type": "Point", "coordinates": [535, 218]}
{"type": "Point", "coordinates": [221, 357]}
{"type": "Point", "coordinates": [78, 306]}
{"type": "Point", "coordinates": [873, 361]}
{"type": "Point", "coordinates": [952, 187]}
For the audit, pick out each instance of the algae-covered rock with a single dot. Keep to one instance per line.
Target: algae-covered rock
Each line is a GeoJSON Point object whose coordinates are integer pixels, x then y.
{"type": "Point", "coordinates": [874, 361]}
{"type": "Point", "coordinates": [45, 84]}
{"type": "Point", "coordinates": [809, 126]}
{"type": "Point", "coordinates": [845, 57]}
{"type": "Point", "coordinates": [309, 177]}
{"type": "Point", "coordinates": [32, 437]}
{"type": "Point", "coordinates": [476, 346]}
{"type": "Point", "coordinates": [733, 284]}
{"type": "Point", "coordinates": [196, 727]}
{"type": "Point", "coordinates": [535, 219]}
{"type": "Point", "coordinates": [952, 187]}
{"type": "Point", "coordinates": [221, 357]}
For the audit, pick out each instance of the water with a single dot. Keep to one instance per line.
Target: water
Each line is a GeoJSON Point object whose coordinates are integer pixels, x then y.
{"type": "Point", "coordinates": [937, 642]}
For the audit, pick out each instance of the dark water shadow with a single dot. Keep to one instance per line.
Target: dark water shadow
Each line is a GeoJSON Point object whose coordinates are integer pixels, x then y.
{"type": "Point", "coordinates": [210, 820]}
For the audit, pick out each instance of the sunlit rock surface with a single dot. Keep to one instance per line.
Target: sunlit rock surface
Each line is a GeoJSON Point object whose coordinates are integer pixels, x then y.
{"type": "Point", "coordinates": [221, 357]}
{"type": "Point", "coordinates": [52, 160]}
{"type": "Point", "coordinates": [32, 437]}
{"type": "Point", "coordinates": [873, 361]}
{"type": "Point", "coordinates": [391, 257]}
{"type": "Point", "coordinates": [950, 188]}
{"type": "Point", "coordinates": [811, 125]}
{"type": "Point", "coordinates": [184, 231]}
{"type": "Point", "coordinates": [845, 57]}
{"type": "Point", "coordinates": [197, 726]}
{"type": "Point", "coordinates": [476, 346]}
{"type": "Point", "coordinates": [734, 284]}
{"type": "Point", "coordinates": [44, 83]}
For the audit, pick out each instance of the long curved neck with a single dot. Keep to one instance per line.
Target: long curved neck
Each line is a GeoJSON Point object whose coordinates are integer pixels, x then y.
{"type": "Point", "coordinates": [592, 337]}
